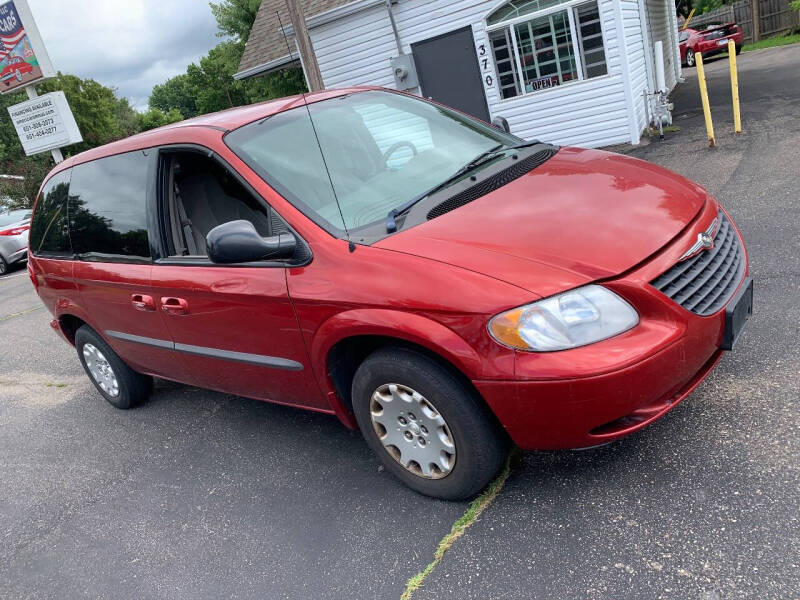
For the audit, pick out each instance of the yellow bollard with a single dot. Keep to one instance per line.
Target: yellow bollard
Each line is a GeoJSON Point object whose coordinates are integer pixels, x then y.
{"type": "Point", "coordinates": [689, 18]}
{"type": "Point", "coordinates": [701, 79]}
{"type": "Point", "coordinates": [737, 116]}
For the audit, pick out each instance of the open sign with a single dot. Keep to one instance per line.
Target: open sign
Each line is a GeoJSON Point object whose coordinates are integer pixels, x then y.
{"type": "Point", "coordinates": [543, 83]}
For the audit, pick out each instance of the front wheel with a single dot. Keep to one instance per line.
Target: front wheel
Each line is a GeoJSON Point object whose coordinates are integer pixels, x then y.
{"type": "Point", "coordinates": [3, 266]}
{"type": "Point", "coordinates": [690, 58]}
{"type": "Point", "coordinates": [429, 428]}
{"type": "Point", "coordinates": [120, 385]}
{"type": "Point", "coordinates": [738, 49]}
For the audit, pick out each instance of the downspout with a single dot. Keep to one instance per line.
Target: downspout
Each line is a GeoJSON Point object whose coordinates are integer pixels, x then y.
{"type": "Point", "coordinates": [394, 27]}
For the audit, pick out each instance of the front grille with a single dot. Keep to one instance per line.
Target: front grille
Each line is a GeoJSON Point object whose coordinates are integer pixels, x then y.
{"type": "Point", "coordinates": [704, 283]}
{"type": "Point", "coordinates": [492, 183]}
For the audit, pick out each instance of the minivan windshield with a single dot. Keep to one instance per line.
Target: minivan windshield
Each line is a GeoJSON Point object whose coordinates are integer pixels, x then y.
{"type": "Point", "coordinates": [362, 155]}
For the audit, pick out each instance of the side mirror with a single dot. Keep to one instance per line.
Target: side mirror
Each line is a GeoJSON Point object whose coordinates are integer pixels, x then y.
{"type": "Point", "coordinates": [501, 123]}
{"type": "Point", "coordinates": [238, 242]}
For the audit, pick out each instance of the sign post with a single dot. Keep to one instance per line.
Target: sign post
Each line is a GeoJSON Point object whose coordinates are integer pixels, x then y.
{"type": "Point", "coordinates": [43, 122]}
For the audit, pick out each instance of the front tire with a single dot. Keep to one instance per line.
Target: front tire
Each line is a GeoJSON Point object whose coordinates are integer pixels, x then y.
{"type": "Point", "coordinates": [690, 58]}
{"type": "Point", "coordinates": [120, 385]}
{"type": "Point", "coordinates": [738, 49]}
{"type": "Point", "coordinates": [429, 429]}
{"type": "Point", "coordinates": [3, 266]}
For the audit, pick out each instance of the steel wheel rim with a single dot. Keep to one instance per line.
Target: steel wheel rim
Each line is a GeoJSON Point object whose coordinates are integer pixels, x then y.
{"type": "Point", "coordinates": [412, 431]}
{"type": "Point", "coordinates": [690, 58]}
{"type": "Point", "coordinates": [101, 370]}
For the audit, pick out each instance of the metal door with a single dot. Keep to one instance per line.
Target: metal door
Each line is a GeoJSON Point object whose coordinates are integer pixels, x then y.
{"type": "Point", "coordinates": [448, 71]}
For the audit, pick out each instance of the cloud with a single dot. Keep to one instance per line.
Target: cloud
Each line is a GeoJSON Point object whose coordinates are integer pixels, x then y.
{"type": "Point", "coordinates": [130, 45]}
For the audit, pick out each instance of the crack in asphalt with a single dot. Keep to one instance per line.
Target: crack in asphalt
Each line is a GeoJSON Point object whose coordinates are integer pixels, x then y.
{"type": "Point", "coordinates": [21, 313]}
{"type": "Point", "coordinates": [460, 527]}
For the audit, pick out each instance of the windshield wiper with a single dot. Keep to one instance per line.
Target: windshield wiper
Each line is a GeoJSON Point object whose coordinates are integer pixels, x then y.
{"type": "Point", "coordinates": [476, 162]}
{"type": "Point", "coordinates": [524, 145]}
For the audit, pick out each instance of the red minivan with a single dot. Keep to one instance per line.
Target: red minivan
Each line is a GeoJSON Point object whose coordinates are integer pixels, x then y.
{"type": "Point", "coordinates": [445, 287]}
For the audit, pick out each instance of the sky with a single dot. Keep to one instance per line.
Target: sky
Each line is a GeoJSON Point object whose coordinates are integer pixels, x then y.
{"type": "Point", "coordinates": [130, 45]}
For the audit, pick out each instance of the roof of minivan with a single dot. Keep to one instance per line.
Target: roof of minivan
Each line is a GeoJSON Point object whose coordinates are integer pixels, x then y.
{"type": "Point", "coordinates": [225, 120]}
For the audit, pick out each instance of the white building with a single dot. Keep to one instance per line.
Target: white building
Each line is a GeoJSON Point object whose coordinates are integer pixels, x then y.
{"type": "Point", "coordinates": [571, 72]}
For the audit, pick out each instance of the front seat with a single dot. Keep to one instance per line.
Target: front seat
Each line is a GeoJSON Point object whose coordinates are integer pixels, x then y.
{"type": "Point", "coordinates": [207, 205]}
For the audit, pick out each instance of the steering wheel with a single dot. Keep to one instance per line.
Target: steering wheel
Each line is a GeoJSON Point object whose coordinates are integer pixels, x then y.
{"type": "Point", "coordinates": [396, 146]}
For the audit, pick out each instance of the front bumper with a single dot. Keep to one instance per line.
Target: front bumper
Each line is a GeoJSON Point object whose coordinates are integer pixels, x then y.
{"type": "Point", "coordinates": [577, 413]}
{"type": "Point", "coordinates": [601, 392]}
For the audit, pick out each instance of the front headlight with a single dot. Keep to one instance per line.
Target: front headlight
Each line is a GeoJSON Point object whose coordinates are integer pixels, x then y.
{"type": "Point", "coordinates": [575, 318]}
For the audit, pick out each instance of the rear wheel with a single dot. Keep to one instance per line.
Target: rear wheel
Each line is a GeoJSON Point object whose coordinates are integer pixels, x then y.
{"type": "Point", "coordinates": [3, 266]}
{"type": "Point", "coordinates": [690, 57]}
{"type": "Point", "coordinates": [117, 382]}
{"type": "Point", "coordinates": [429, 429]}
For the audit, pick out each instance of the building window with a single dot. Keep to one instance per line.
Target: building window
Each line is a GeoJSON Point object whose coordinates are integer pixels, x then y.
{"type": "Point", "coordinates": [540, 44]}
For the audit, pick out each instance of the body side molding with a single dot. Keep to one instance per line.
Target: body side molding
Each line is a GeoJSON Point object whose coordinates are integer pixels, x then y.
{"type": "Point", "coordinates": [262, 360]}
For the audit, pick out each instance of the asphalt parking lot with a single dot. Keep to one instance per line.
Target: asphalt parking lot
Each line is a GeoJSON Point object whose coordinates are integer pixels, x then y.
{"type": "Point", "coordinates": [202, 495]}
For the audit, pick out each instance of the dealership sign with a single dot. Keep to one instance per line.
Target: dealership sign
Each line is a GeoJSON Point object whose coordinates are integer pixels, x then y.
{"type": "Point", "coordinates": [44, 123]}
{"type": "Point", "coordinates": [23, 57]}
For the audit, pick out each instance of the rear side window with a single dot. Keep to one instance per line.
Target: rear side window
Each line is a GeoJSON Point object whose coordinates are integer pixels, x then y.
{"type": "Point", "coordinates": [49, 235]}
{"type": "Point", "coordinates": [108, 209]}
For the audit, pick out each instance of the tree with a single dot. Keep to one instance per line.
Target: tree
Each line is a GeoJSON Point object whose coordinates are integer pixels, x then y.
{"type": "Point", "coordinates": [155, 117]}
{"type": "Point", "coordinates": [177, 93]}
{"type": "Point", "coordinates": [20, 194]}
{"type": "Point", "coordinates": [684, 7]}
{"type": "Point", "coordinates": [126, 117]}
{"type": "Point", "coordinates": [213, 82]}
{"type": "Point", "coordinates": [101, 118]}
{"type": "Point", "coordinates": [209, 86]}
{"type": "Point", "coordinates": [235, 18]}
{"type": "Point", "coordinates": [95, 107]}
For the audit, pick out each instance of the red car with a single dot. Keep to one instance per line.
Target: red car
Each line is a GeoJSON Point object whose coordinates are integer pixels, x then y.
{"type": "Point", "coordinates": [709, 41]}
{"type": "Point", "coordinates": [445, 287]}
{"type": "Point", "coordinates": [14, 69]}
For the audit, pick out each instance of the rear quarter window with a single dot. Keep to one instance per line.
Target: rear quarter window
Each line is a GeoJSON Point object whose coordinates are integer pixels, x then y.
{"type": "Point", "coordinates": [49, 235]}
{"type": "Point", "coordinates": [108, 208]}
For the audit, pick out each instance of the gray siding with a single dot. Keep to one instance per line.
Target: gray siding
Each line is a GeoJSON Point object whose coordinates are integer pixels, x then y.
{"type": "Point", "coordinates": [663, 25]}
{"type": "Point", "coordinates": [635, 42]}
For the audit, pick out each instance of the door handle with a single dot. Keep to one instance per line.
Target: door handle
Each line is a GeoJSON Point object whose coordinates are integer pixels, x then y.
{"type": "Point", "coordinates": [143, 302]}
{"type": "Point", "coordinates": [174, 306]}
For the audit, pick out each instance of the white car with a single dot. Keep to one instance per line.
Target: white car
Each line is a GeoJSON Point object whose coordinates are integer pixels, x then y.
{"type": "Point", "coordinates": [14, 227]}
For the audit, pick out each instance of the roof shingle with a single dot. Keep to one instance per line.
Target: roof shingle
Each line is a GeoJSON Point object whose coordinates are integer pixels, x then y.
{"type": "Point", "coordinates": [266, 43]}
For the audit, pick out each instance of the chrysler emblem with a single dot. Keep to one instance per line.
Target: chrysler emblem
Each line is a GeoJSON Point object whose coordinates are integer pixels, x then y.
{"type": "Point", "coordinates": [705, 241]}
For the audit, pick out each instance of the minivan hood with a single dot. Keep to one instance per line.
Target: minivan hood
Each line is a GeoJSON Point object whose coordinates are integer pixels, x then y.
{"type": "Point", "coordinates": [581, 216]}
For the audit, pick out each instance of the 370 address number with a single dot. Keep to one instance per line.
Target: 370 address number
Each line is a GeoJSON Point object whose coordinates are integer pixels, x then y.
{"type": "Point", "coordinates": [484, 62]}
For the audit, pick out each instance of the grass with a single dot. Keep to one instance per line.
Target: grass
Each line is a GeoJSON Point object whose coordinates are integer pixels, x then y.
{"type": "Point", "coordinates": [653, 131]}
{"type": "Point", "coordinates": [459, 527]}
{"type": "Point", "coordinates": [780, 40]}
